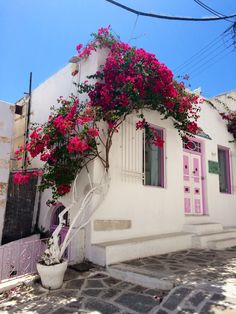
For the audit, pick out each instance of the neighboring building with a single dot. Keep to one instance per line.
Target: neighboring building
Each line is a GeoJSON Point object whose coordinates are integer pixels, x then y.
{"type": "Point", "coordinates": [19, 127]}
{"type": "Point", "coordinates": [159, 200]}
{"type": "Point", "coordinates": [6, 129]}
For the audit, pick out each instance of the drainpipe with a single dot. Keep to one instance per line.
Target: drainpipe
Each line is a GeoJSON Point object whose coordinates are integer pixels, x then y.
{"type": "Point", "coordinates": [38, 210]}
{"type": "Point", "coordinates": [28, 117]}
{"type": "Point", "coordinates": [26, 141]}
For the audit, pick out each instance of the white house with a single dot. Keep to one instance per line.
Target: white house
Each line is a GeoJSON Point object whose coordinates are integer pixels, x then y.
{"type": "Point", "coordinates": [6, 129]}
{"type": "Point", "coordinates": [159, 200]}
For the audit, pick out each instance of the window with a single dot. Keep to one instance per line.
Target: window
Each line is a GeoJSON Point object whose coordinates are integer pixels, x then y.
{"type": "Point", "coordinates": [192, 145]}
{"type": "Point", "coordinates": [224, 170]}
{"type": "Point", "coordinates": [154, 163]}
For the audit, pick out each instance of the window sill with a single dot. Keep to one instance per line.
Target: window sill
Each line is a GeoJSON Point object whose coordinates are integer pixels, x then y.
{"type": "Point", "coordinates": [154, 186]}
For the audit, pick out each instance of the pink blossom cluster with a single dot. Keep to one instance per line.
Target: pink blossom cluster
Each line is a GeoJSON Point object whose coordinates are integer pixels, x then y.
{"type": "Point", "coordinates": [77, 145]}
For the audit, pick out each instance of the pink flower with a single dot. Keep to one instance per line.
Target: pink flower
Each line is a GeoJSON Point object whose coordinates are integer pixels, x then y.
{"type": "Point", "coordinates": [63, 189]}
{"type": "Point", "coordinates": [156, 139]}
{"type": "Point", "coordinates": [83, 120]}
{"type": "Point", "coordinates": [45, 156]}
{"type": "Point", "coordinates": [21, 177]}
{"type": "Point", "coordinates": [34, 135]}
{"type": "Point", "coordinates": [140, 124]}
{"type": "Point", "coordinates": [104, 31]}
{"type": "Point", "coordinates": [79, 47]}
{"type": "Point", "coordinates": [77, 145]}
{"type": "Point", "coordinates": [35, 148]}
{"type": "Point", "coordinates": [192, 127]}
{"type": "Point", "coordinates": [93, 132]}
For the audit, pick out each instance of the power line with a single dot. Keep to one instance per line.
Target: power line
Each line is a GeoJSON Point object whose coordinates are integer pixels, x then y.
{"type": "Point", "coordinates": [201, 57]}
{"type": "Point", "coordinates": [210, 64]}
{"type": "Point", "coordinates": [207, 47]}
{"type": "Point", "coordinates": [212, 57]}
{"type": "Point", "coordinates": [168, 17]}
{"type": "Point", "coordinates": [211, 10]}
{"type": "Point", "coordinates": [133, 29]}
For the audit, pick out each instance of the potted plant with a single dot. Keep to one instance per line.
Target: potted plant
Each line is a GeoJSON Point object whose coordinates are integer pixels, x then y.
{"type": "Point", "coordinates": [51, 268]}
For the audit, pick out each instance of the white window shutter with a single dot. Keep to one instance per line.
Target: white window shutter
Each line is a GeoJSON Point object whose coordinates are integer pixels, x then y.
{"type": "Point", "coordinates": [132, 150]}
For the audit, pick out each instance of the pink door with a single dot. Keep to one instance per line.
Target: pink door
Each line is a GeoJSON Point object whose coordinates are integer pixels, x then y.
{"type": "Point", "coordinates": [192, 175]}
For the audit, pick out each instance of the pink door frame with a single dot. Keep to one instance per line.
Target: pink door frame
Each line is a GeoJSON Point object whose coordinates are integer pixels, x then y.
{"type": "Point", "coordinates": [203, 171]}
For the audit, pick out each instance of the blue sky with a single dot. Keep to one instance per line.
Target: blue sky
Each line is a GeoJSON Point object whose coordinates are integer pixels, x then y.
{"type": "Point", "coordinates": [41, 35]}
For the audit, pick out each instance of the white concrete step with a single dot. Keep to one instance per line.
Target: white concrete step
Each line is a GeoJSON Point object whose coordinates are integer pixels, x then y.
{"type": "Point", "coordinates": [221, 244]}
{"type": "Point", "coordinates": [203, 228]}
{"type": "Point", "coordinates": [148, 279]}
{"type": "Point", "coordinates": [201, 240]}
{"type": "Point", "coordinates": [123, 250]}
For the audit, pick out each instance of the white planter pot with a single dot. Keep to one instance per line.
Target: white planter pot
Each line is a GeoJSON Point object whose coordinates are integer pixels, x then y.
{"type": "Point", "coordinates": [52, 276]}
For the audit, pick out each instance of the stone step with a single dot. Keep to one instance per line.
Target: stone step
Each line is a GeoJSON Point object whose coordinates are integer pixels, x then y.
{"type": "Point", "coordinates": [203, 228]}
{"type": "Point", "coordinates": [123, 250]}
{"type": "Point", "coordinates": [146, 278]}
{"type": "Point", "coordinates": [222, 244]}
{"type": "Point", "coordinates": [201, 241]}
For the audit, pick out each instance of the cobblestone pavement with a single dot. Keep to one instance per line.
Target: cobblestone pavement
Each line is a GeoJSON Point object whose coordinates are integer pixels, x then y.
{"type": "Point", "coordinates": [188, 266]}
{"type": "Point", "coordinates": [205, 283]}
{"type": "Point", "coordinates": [93, 293]}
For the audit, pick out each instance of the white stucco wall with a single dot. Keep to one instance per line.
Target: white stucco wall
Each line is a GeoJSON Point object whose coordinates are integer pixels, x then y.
{"type": "Point", "coordinates": [150, 209]}
{"type": "Point", "coordinates": [228, 98]}
{"type": "Point", "coordinates": [6, 129]}
{"type": "Point", "coordinates": [155, 210]}
{"type": "Point", "coordinates": [221, 205]}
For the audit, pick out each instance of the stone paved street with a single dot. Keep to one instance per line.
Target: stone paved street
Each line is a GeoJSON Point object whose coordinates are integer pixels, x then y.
{"type": "Point", "coordinates": [84, 294]}
{"type": "Point", "coordinates": [188, 266]}
{"type": "Point", "coordinates": [205, 282]}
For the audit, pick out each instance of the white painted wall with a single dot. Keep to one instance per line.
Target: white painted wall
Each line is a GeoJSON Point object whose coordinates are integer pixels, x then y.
{"type": "Point", "coordinates": [6, 130]}
{"type": "Point", "coordinates": [155, 210]}
{"type": "Point", "coordinates": [221, 206]}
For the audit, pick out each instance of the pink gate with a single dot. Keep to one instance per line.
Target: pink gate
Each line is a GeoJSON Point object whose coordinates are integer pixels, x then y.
{"type": "Point", "coordinates": [19, 258]}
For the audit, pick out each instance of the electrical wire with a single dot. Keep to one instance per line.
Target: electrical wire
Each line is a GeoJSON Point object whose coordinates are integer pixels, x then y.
{"type": "Point", "coordinates": [211, 10]}
{"type": "Point", "coordinates": [208, 54]}
{"type": "Point", "coordinates": [205, 48]}
{"type": "Point", "coordinates": [194, 69]}
{"type": "Point", "coordinates": [133, 29]}
{"type": "Point", "coordinates": [210, 64]}
{"type": "Point", "coordinates": [168, 17]}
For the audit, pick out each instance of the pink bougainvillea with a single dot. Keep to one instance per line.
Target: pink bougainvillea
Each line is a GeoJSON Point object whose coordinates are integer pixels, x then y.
{"type": "Point", "coordinates": [131, 80]}
{"type": "Point", "coordinates": [21, 177]}
{"type": "Point", "coordinates": [77, 145]}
